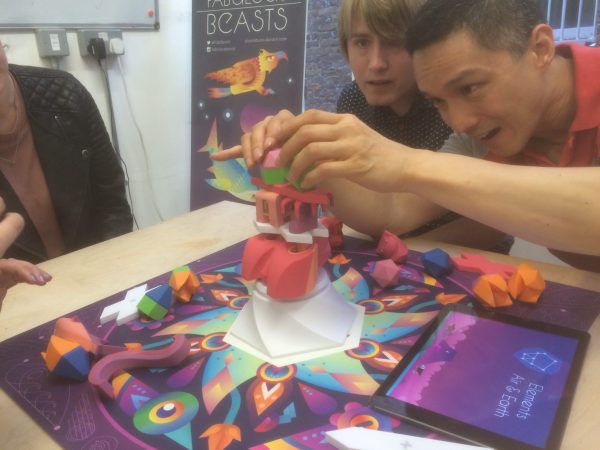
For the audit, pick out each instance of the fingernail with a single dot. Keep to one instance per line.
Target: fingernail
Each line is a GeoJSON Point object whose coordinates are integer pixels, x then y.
{"type": "Point", "coordinates": [41, 279]}
{"type": "Point", "coordinates": [257, 154]}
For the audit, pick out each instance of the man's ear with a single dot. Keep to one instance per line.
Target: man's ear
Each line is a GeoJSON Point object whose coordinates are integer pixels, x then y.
{"type": "Point", "coordinates": [541, 44]}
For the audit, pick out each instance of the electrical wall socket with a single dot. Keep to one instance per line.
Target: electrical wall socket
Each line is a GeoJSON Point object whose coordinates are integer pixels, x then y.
{"type": "Point", "coordinates": [52, 42]}
{"type": "Point", "coordinates": [84, 36]}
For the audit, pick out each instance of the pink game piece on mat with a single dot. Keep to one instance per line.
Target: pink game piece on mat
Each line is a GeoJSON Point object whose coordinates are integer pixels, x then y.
{"type": "Point", "coordinates": [474, 262]}
{"type": "Point", "coordinates": [110, 365]}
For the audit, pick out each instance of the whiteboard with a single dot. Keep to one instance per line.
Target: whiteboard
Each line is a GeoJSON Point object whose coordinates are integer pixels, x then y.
{"type": "Point", "coordinates": [79, 13]}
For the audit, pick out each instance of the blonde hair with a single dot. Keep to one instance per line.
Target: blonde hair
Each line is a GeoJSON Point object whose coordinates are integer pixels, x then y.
{"type": "Point", "coordinates": [389, 19]}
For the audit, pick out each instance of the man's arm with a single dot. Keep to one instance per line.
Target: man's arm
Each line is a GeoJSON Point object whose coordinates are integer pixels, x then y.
{"type": "Point", "coordinates": [373, 212]}
{"type": "Point", "coordinates": [555, 207]}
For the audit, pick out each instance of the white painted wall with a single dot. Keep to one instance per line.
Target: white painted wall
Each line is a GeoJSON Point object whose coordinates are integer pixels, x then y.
{"type": "Point", "coordinates": [156, 68]}
{"type": "Point", "coordinates": [525, 249]}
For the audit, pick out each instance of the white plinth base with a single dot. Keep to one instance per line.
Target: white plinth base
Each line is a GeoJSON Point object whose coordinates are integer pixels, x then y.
{"type": "Point", "coordinates": [283, 333]}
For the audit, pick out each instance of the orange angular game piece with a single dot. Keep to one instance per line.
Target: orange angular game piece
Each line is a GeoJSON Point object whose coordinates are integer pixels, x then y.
{"type": "Point", "coordinates": [446, 299]}
{"type": "Point", "coordinates": [66, 359]}
{"type": "Point", "coordinates": [492, 291]}
{"type": "Point", "coordinates": [184, 283]}
{"type": "Point", "coordinates": [526, 284]}
{"type": "Point", "coordinates": [57, 347]}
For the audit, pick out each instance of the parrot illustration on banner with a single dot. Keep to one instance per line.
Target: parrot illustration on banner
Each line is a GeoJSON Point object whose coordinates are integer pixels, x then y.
{"type": "Point", "coordinates": [247, 75]}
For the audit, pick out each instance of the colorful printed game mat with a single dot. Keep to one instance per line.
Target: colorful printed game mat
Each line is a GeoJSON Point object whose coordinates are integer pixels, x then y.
{"type": "Point", "coordinates": [224, 398]}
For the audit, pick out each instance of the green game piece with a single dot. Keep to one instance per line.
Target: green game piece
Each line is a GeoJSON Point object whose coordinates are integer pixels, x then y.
{"type": "Point", "coordinates": [274, 175]}
{"type": "Point", "coordinates": [152, 309]}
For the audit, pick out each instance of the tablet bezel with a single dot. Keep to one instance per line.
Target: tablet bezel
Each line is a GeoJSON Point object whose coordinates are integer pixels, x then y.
{"type": "Point", "coordinates": [380, 401]}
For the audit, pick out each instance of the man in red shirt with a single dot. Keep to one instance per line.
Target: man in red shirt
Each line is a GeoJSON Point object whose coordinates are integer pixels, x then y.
{"type": "Point", "coordinates": [492, 69]}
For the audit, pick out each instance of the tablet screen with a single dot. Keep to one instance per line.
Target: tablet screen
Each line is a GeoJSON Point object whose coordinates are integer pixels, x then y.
{"type": "Point", "coordinates": [506, 376]}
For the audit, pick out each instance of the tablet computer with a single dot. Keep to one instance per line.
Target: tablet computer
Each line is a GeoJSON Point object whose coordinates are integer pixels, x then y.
{"type": "Point", "coordinates": [489, 378]}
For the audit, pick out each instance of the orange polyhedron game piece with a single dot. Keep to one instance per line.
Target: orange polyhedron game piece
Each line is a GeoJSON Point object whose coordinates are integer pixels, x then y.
{"type": "Point", "coordinates": [492, 291]}
{"type": "Point", "coordinates": [526, 284]}
{"type": "Point", "coordinates": [184, 283]}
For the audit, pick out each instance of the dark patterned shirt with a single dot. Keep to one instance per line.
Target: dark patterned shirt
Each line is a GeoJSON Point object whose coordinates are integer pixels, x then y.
{"type": "Point", "coordinates": [421, 127]}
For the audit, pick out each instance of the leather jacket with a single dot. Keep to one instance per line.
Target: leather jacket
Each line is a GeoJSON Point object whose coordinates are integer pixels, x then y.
{"type": "Point", "coordinates": [82, 170]}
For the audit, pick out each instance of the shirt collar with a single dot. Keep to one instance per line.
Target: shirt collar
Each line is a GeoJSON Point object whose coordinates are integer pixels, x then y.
{"type": "Point", "coordinates": [586, 65]}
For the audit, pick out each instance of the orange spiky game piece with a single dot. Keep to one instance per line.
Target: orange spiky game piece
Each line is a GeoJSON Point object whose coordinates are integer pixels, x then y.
{"type": "Point", "coordinates": [526, 284]}
{"type": "Point", "coordinates": [492, 291]}
{"type": "Point", "coordinates": [184, 283]}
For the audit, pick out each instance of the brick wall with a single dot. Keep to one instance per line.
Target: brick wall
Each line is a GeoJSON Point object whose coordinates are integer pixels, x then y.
{"type": "Point", "coordinates": [326, 69]}
{"type": "Point", "coordinates": [598, 27]}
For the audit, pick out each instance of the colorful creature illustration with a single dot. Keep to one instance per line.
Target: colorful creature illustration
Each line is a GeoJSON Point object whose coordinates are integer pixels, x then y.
{"type": "Point", "coordinates": [247, 75]}
{"type": "Point", "coordinates": [231, 176]}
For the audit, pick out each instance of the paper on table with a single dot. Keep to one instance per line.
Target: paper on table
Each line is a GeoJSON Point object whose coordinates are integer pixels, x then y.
{"type": "Point", "coordinates": [357, 438]}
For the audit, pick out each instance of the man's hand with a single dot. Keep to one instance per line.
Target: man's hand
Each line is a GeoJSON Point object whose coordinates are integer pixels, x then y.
{"type": "Point", "coordinates": [254, 144]}
{"type": "Point", "coordinates": [320, 146]}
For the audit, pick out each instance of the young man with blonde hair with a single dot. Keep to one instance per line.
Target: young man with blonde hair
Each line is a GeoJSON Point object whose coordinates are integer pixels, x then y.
{"type": "Point", "coordinates": [384, 93]}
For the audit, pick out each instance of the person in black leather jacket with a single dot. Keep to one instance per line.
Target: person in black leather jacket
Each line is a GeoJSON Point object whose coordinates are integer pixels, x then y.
{"type": "Point", "coordinates": [81, 176]}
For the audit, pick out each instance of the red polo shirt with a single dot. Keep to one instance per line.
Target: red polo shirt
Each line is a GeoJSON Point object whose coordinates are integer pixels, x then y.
{"type": "Point", "coordinates": [583, 143]}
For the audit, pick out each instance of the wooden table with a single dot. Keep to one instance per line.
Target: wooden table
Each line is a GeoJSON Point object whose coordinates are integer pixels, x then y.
{"type": "Point", "coordinates": [91, 274]}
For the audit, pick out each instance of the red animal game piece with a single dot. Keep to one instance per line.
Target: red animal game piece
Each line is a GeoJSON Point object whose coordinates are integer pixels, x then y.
{"type": "Point", "coordinates": [334, 226]}
{"type": "Point", "coordinates": [288, 270]}
{"type": "Point", "coordinates": [474, 262]}
{"type": "Point", "coordinates": [71, 329]}
{"type": "Point", "coordinates": [392, 247]}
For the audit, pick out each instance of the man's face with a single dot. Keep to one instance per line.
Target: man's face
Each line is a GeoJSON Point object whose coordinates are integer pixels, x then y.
{"type": "Point", "coordinates": [491, 95]}
{"type": "Point", "coordinates": [383, 71]}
